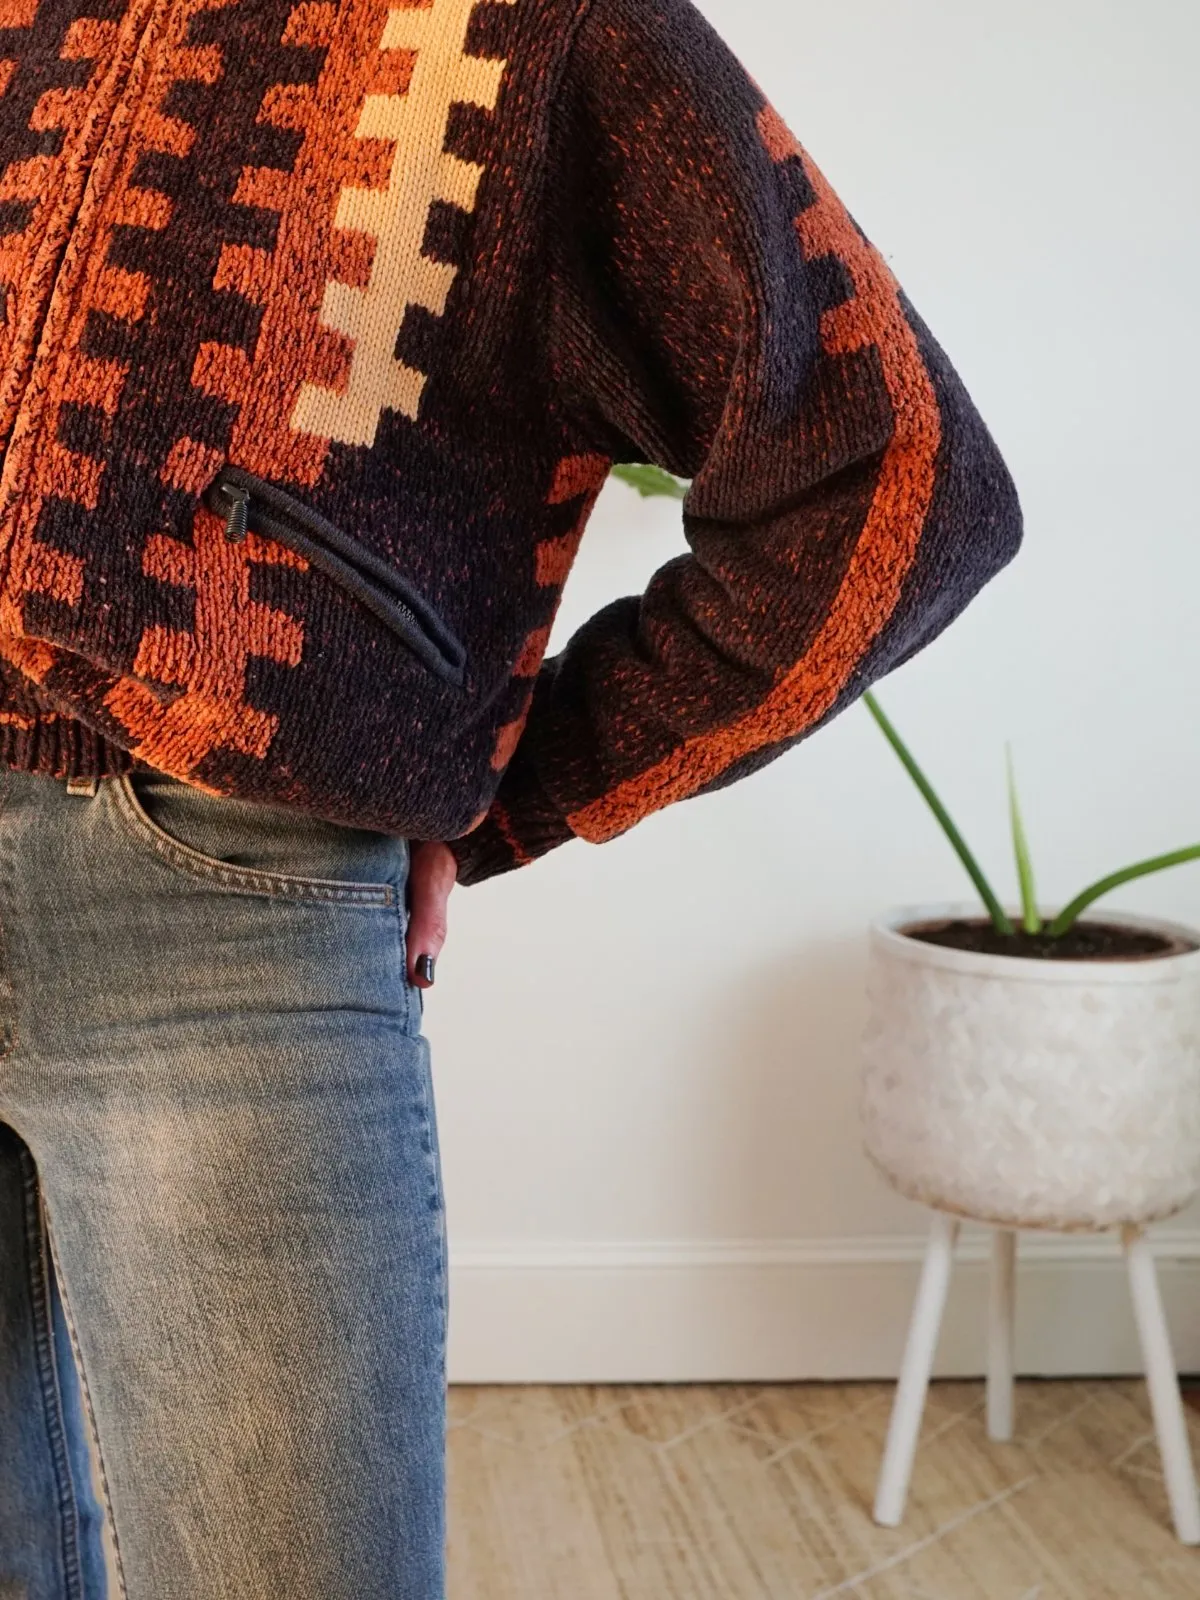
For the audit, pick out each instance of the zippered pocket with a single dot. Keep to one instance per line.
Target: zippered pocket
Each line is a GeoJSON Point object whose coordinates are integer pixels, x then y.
{"type": "Point", "coordinates": [247, 502]}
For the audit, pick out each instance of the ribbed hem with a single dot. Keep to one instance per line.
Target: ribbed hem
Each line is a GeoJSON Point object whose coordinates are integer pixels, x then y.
{"type": "Point", "coordinates": [60, 747]}
{"type": "Point", "coordinates": [36, 738]}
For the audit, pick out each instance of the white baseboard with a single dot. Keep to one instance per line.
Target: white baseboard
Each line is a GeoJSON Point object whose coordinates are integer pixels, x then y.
{"type": "Point", "coordinates": [792, 1309]}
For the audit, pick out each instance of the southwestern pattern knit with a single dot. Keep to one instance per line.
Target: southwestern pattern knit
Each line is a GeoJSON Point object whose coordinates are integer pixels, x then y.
{"type": "Point", "coordinates": [323, 323]}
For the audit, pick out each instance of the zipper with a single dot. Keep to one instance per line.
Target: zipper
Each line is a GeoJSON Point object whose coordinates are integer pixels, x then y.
{"type": "Point", "coordinates": [54, 275]}
{"type": "Point", "coordinates": [247, 502]}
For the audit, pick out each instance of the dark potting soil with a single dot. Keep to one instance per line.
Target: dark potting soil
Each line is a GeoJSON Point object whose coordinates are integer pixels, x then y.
{"type": "Point", "coordinates": [1085, 941]}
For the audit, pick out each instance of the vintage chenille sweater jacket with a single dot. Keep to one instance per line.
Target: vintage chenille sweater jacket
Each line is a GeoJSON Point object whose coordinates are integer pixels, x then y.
{"type": "Point", "coordinates": [323, 323]}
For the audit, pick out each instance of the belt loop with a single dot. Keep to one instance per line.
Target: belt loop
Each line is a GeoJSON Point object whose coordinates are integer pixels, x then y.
{"type": "Point", "coordinates": [83, 783]}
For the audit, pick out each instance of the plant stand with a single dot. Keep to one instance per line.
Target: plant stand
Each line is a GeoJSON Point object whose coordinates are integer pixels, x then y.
{"type": "Point", "coordinates": [1170, 1425]}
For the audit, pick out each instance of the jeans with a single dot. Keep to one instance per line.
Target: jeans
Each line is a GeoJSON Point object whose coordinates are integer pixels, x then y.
{"type": "Point", "coordinates": [222, 1237]}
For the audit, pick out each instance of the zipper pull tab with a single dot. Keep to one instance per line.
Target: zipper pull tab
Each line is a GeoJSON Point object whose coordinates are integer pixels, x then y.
{"type": "Point", "coordinates": [239, 510]}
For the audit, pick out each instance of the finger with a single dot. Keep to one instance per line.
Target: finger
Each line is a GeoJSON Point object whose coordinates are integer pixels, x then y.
{"type": "Point", "coordinates": [432, 874]}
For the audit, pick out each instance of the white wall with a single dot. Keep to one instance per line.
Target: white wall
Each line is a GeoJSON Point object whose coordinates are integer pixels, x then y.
{"type": "Point", "coordinates": [645, 1052]}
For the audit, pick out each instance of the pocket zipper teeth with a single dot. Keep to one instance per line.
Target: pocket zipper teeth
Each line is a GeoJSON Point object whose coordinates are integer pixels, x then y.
{"type": "Point", "coordinates": [301, 529]}
{"type": "Point", "coordinates": [237, 525]}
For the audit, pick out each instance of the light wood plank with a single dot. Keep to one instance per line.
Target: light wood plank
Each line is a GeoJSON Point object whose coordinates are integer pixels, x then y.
{"type": "Point", "coordinates": [763, 1492]}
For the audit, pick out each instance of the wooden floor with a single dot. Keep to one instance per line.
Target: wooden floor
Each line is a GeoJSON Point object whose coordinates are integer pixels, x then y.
{"type": "Point", "coordinates": [750, 1492]}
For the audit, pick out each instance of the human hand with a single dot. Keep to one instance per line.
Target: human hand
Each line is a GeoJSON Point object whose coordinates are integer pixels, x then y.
{"type": "Point", "coordinates": [432, 873]}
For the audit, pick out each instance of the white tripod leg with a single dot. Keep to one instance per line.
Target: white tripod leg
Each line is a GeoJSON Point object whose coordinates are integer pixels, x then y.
{"type": "Point", "coordinates": [1002, 1303]}
{"type": "Point", "coordinates": [1170, 1424]}
{"type": "Point", "coordinates": [919, 1352]}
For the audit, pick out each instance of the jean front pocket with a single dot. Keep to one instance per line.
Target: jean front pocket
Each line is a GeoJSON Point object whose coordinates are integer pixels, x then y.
{"type": "Point", "coordinates": [247, 847]}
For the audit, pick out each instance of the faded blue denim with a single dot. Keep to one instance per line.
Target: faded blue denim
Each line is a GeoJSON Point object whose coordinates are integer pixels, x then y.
{"type": "Point", "coordinates": [220, 1202]}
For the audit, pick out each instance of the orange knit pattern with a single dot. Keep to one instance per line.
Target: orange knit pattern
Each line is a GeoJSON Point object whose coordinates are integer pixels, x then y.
{"type": "Point", "coordinates": [886, 544]}
{"type": "Point", "coordinates": [36, 459]}
{"type": "Point", "coordinates": [576, 477]}
{"type": "Point", "coordinates": [293, 345]}
{"type": "Point", "coordinates": [175, 734]}
{"type": "Point", "coordinates": [322, 323]}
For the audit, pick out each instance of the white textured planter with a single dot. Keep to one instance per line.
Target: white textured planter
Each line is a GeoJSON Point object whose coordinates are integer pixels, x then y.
{"type": "Point", "coordinates": [1033, 1093]}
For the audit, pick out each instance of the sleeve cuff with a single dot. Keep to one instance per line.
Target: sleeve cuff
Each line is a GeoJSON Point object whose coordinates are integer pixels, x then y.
{"type": "Point", "coordinates": [521, 825]}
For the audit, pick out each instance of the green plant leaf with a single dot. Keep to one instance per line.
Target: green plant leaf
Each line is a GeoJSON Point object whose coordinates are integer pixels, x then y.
{"type": "Point", "coordinates": [1140, 869]}
{"type": "Point", "coordinates": [1031, 918]}
{"type": "Point", "coordinates": [1000, 918]}
{"type": "Point", "coordinates": [649, 480]}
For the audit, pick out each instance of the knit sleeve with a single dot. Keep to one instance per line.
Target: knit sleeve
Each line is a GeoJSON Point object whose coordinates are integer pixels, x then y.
{"type": "Point", "coordinates": [714, 309]}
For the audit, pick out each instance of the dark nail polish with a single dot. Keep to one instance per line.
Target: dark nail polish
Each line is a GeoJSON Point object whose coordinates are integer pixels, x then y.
{"type": "Point", "coordinates": [425, 966]}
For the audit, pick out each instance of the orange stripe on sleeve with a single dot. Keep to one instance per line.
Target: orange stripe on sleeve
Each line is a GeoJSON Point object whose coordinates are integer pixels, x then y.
{"type": "Point", "coordinates": [887, 543]}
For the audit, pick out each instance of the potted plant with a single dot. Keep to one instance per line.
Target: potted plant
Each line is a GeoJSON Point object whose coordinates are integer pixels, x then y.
{"type": "Point", "coordinates": [1033, 1069]}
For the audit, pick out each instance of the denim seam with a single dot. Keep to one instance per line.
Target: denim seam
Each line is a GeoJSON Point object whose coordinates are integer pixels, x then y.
{"type": "Point", "coordinates": [438, 1206]}
{"type": "Point", "coordinates": [89, 1408]}
{"type": "Point", "coordinates": [413, 1010]}
{"type": "Point", "coordinates": [68, 1508]}
{"type": "Point", "coordinates": [437, 1196]}
{"type": "Point", "coordinates": [10, 1027]}
{"type": "Point", "coordinates": [277, 886]}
